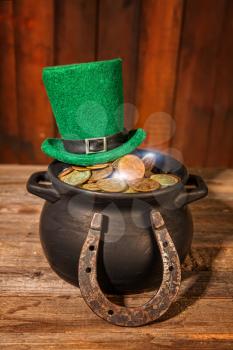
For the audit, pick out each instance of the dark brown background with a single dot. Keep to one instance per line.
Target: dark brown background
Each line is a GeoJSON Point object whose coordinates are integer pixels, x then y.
{"type": "Point", "coordinates": [178, 70]}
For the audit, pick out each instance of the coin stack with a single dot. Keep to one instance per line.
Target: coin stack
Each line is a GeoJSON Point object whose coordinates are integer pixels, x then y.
{"type": "Point", "coordinates": [128, 174]}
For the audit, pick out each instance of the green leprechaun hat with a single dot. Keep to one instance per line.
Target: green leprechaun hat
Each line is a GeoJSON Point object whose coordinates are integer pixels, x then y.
{"type": "Point", "coordinates": [87, 102]}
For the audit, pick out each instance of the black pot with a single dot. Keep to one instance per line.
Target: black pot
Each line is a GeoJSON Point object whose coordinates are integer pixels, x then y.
{"type": "Point", "coordinates": [121, 242]}
{"type": "Point", "coordinates": [129, 259]}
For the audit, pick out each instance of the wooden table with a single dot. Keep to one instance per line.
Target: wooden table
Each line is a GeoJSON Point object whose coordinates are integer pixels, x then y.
{"type": "Point", "coordinates": [40, 311]}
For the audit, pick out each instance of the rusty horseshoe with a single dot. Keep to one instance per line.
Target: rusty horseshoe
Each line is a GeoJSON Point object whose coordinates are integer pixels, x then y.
{"type": "Point", "coordinates": [121, 315]}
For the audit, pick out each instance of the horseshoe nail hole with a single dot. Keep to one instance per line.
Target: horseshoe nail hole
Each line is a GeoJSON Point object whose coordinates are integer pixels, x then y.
{"type": "Point", "coordinates": [110, 312]}
{"type": "Point", "coordinates": [165, 244]}
{"type": "Point", "coordinates": [91, 247]}
{"type": "Point", "coordinates": [171, 268]}
{"type": "Point", "coordinates": [88, 269]}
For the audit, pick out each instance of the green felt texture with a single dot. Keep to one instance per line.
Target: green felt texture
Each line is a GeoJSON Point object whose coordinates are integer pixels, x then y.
{"type": "Point", "coordinates": [87, 102]}
{"type": "Point", "coordinates": [55, 149]}
{"type": "Point", "coordinates": [86, 98]}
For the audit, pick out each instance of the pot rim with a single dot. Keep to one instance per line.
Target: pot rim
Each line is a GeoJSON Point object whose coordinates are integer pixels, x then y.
{"type": "Point", "coordinates": [64, 188]}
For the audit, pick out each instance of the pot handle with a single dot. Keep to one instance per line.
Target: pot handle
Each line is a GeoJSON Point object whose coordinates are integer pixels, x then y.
{"type": "Point", "coordinates": [35, 186]}
{"type": "Point", "coordinates": [191, 195]}
{"type": "Point", "coordinates": [129, 316]}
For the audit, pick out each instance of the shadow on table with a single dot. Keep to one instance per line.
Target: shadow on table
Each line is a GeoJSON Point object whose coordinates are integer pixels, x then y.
{"type": "Point", "coordinates": [196, 273]}
{"type": "Point", "coordinates": [197, 262]}
{"type": "Point", "coordinates": [197, 268]}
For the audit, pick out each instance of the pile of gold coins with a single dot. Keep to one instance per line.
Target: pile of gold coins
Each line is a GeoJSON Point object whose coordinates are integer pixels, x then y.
{"type": "Point", "coordinates": [128, 174]}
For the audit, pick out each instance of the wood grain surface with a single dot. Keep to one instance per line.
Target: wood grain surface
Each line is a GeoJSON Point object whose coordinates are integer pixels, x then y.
{"type": "Point", "coordinates": [75, 31]}
{"type": "Point", "coordinates": [117, 36]}
{"type": "Point", "coordinates": [177, 71]}
{"type": "Point", "coordinates": [196, 79]}
{"type": "Point", "coordinates": [9, 131]}
{"type": "Point", "coordinates": [40, 311]}
{"type": "Point", "coordinates": [160, 30]}
{"type": "Point", "coordinates": [33, 51]}
{"type": "Point", "coordinates": [221, 128]}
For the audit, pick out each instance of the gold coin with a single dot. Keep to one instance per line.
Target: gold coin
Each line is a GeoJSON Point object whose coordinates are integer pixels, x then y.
{"type": "Point", "coordinates": [149, 161]}
{"type": "Point", "coordinates": [148, 173]}
{"type": "Point", "coordinates": [130, 190]}
{"type": "Point", "coordinates": [144, 185]}
{"type": "Point", "coordinates": [90, 187]}
{"type": "Point", "coordinates": [165, 179]}
{"type": "Point", "coordinates": [114, 164]}
{"type": "Point", "coordinates": [65, 172]}
{"type": "Point", "coordinates": [76, 177]}
{"type": "Point", "coordinates": [98, 166]}
{"type": "Point", "coordinates": [100, 174]}
{"type": "Point", "coordinates": [79, 168]}
{"type": "Point", "coordinates": [131, 167]}
{"type": "Point", "coordinates": [112, 185]}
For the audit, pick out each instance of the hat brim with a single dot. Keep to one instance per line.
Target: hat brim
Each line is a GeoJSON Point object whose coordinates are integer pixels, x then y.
{"type": "Point", "coordinates": [54, 148]}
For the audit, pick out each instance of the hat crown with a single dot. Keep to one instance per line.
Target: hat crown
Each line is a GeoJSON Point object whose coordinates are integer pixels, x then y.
{"type": "Point", "coordinates": [86, 98]}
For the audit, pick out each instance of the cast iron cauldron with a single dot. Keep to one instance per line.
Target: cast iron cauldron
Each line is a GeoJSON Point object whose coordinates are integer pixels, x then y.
{"type": "Point", "coordinates": [130, 259]}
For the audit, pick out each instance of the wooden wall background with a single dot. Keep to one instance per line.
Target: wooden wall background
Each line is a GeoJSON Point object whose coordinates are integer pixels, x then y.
{"type": "Point", "coordinates": [178, 70]}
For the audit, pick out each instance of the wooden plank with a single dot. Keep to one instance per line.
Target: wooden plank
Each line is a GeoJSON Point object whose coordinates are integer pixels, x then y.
{"type": "Point", "coordinates": [196, 78]}
{"type": "Point", "coordinates": [160, 29]}
{"type": "Point", "coordinates": [210, 230]}
{"type": "Point", "coordinates": [29, 253]}
{"type": "Point", "coordinates": [220, 140]}
{"type": "Point", "coordinates": [75, 31]}
{"type": "Point", "coordinates": [211, 237]}
{"type": "Point", "coordinates": [9, 139]}
{"type": "Point", "coordinates": [63, 341]}
{"type": "Point", "coordinates": [31, 321]}
{"type": "Point", "coordinates": [11, 173]}
{"type": "Point", "coordinates": [16, 310]}
{"type": "Point", "coordinates": [42, 281]}
{"type": "Point", "coordinates": [34, 50]}
{"type": "Point", "coordinates": [39, 310]}
{"type": "Point", "coordinates": [68, 342]}
{"type": "Point", "coordinates": [212, 216]}
{"type": "Point", "coordinates": [117, 37]}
